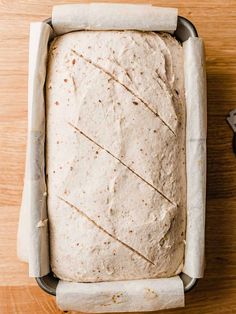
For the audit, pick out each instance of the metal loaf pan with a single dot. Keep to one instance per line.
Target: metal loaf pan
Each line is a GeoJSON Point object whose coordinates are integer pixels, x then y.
{"type": "Point", "coordinates": [48, 283]}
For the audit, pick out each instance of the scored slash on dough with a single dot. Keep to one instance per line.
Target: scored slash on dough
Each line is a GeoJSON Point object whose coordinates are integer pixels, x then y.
{"type": "Point", "coordinates": [120, 161]}
{"type": "Point", "coordinates": [105, 231]}
{"type": "Point", "coordinates": [122, 84]}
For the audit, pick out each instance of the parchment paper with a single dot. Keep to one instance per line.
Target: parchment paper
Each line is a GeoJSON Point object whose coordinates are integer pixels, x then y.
{"type": "Point", "coordinates": [107, 16]}
{"type": "Point", "coordinates": [33, 229]}
{"type": "Point", "coordinates": [121, 296]}
{"type": "Point", "coordinates": [196, 102]}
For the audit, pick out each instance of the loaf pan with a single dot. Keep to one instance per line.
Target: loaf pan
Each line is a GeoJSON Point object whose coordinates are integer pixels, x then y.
{"type": "Point", "coordinates": [48, 283]}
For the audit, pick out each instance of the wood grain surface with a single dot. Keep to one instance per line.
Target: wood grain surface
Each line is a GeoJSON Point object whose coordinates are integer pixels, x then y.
{"type": "Point", "coordinates": [216, 24]}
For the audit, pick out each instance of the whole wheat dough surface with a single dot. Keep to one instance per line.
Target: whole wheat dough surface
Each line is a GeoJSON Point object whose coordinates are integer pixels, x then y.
{"type": "Point", "coordinates": [115, 155]}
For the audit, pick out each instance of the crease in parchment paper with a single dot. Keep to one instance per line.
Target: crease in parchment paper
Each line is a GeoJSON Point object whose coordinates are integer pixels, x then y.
{"type": "Point", "coordinates": [131, 295]}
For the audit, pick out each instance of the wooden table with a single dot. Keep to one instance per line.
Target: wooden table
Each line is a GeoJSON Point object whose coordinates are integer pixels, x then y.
{"type": "Point", "coordinates": [216, 23]}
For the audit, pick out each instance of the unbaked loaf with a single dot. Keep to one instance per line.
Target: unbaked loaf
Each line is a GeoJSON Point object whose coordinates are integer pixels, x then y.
{"type": "Point", "coordinates": [115, 155]}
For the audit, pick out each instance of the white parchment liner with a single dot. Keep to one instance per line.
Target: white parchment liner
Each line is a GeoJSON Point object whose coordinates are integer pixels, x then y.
{"type": "Point", "coordinates": [121, 296]}
{"type": "Point", "coordinates": [33, 230]}
{"type": "Point", "coordinates": [32, 244]}
{"type": "Point", "coordinates": [196, 129]}
{"type": "Point", "coordinates": [115, 16]}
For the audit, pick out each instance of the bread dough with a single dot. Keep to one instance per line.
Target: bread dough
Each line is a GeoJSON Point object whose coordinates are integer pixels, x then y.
{"type": "Point", "coordinates": [115, 153]}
